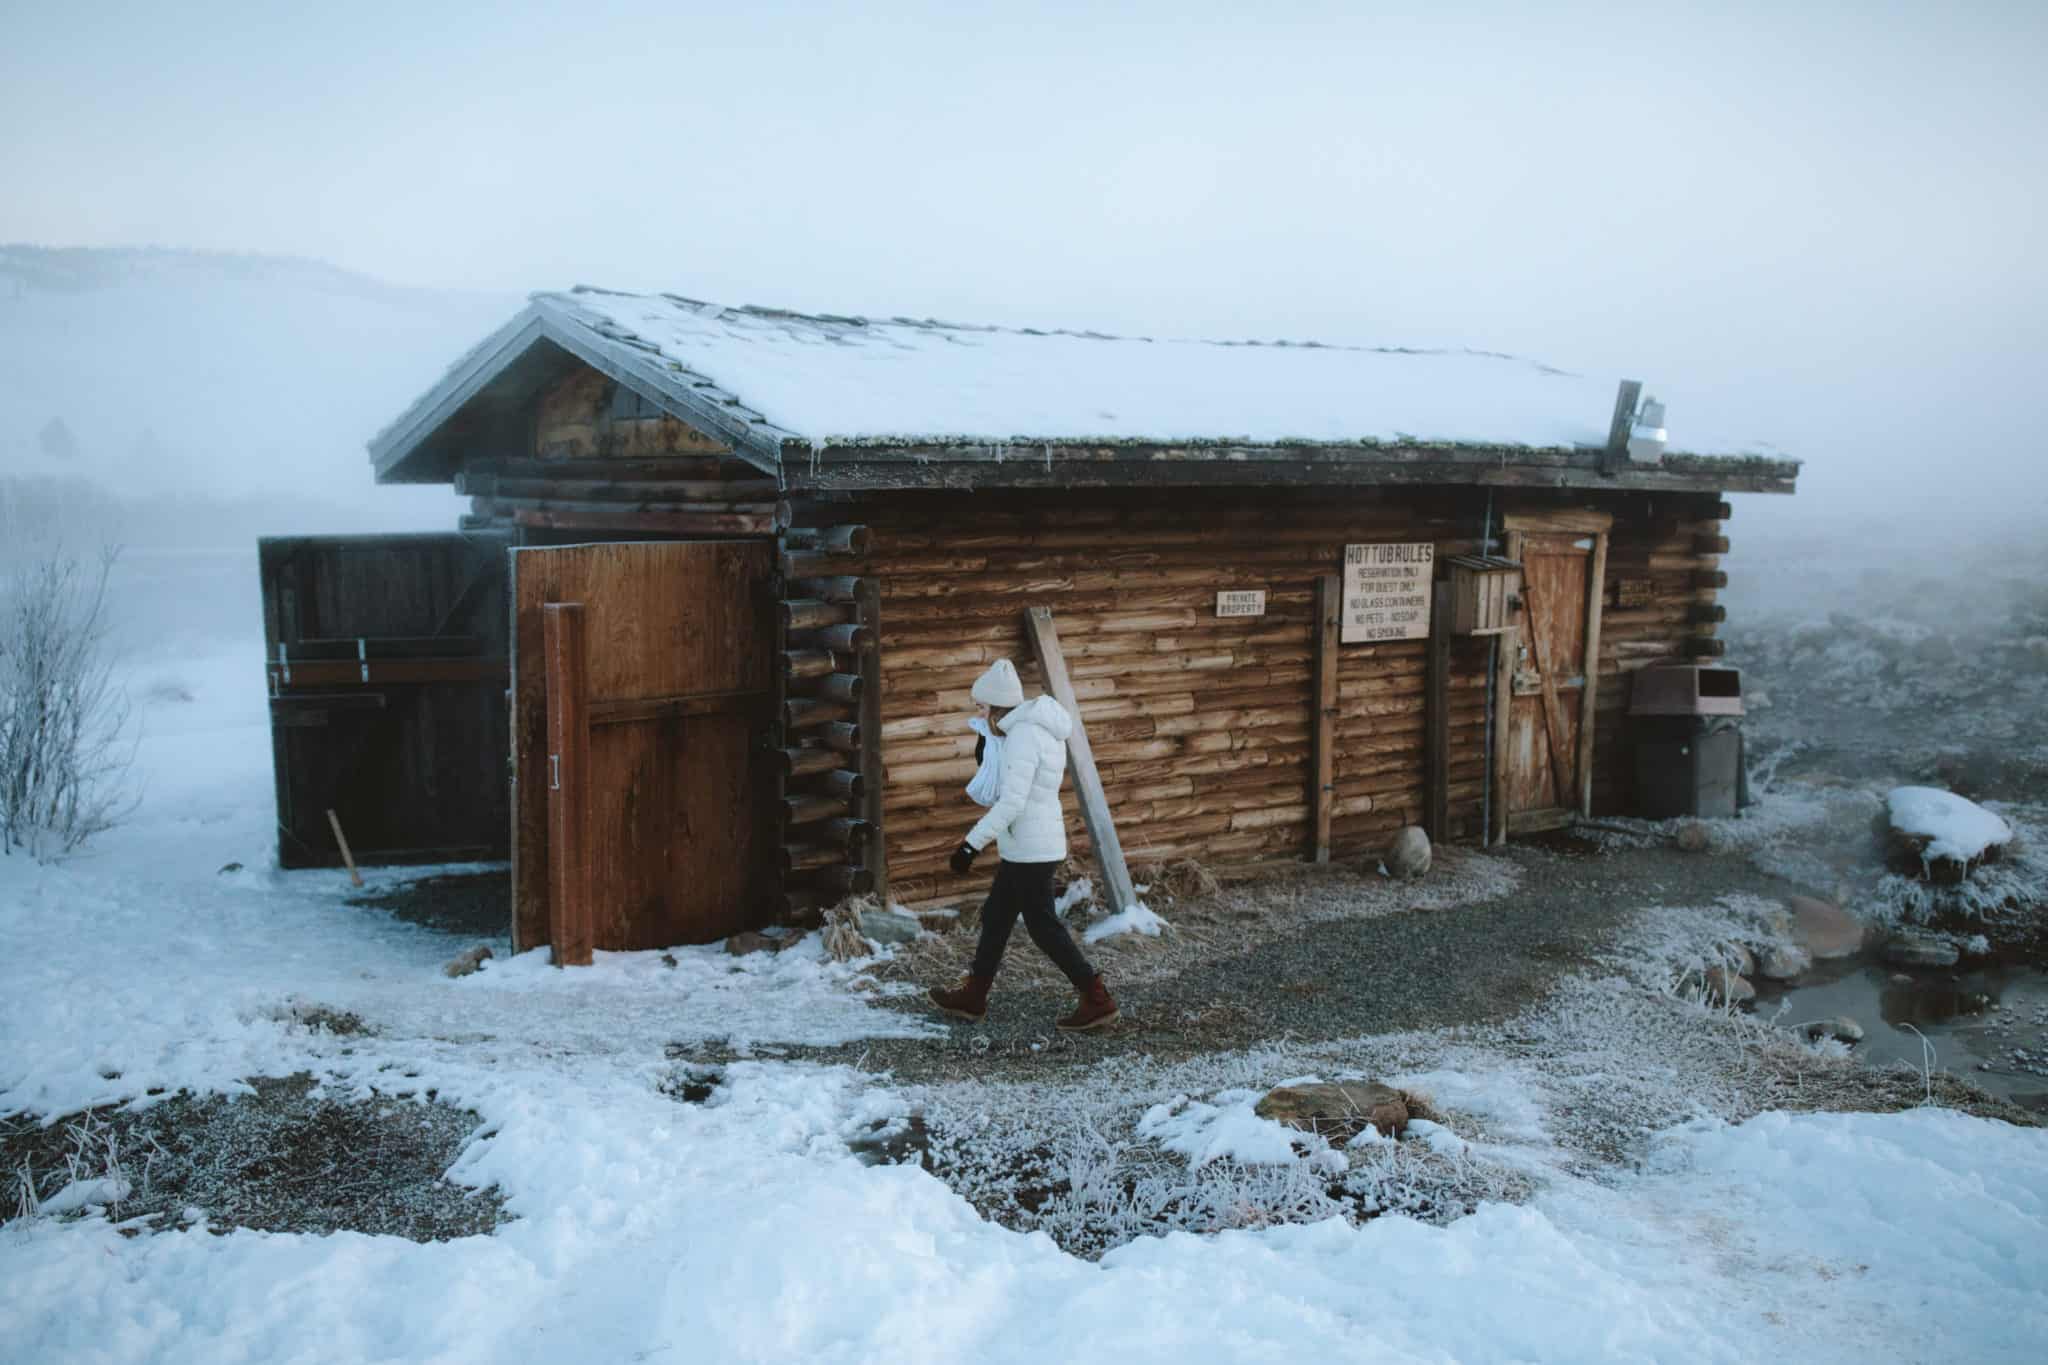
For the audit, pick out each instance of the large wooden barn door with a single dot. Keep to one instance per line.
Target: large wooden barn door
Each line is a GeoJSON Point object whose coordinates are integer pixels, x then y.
{"type": "Point", "coordinates": [1549, 740]}
{"type": "Point", "coordinates": [386, 658]}
{"type": "Point", "coordinates": [642, 703]}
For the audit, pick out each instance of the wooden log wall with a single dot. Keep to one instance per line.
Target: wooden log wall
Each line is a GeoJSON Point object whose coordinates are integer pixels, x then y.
{"type": "Point", "coordinates": [830, 740]}
{"type": "Point", "coordinates": [1663, 576]}
{"type": "Point", "coordinates": [1202, 726]}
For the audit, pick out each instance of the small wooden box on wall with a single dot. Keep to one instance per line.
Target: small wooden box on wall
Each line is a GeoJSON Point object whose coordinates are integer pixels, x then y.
{"type": "Point", "coordinates": [1486, 591]}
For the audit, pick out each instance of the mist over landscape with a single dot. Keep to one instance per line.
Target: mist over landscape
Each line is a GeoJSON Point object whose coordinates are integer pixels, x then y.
{"type": "Point", "coordinates": [386, 986]}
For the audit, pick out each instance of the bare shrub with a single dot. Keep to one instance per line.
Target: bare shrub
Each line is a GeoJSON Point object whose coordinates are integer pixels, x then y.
{"type": "Point", "coordinates": [65, 748]}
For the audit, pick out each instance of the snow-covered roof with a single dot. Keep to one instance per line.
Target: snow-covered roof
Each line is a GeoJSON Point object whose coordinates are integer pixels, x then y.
{"type": "Point", "coordinates": [778, 383]}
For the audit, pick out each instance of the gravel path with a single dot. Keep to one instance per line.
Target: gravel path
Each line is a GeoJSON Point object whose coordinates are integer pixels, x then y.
{"type": "Point", "coordinates": [1477, 964]}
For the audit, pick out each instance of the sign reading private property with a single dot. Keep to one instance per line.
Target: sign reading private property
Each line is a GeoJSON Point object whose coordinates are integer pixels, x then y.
{"type": "Point", "coordinates": [1241, 603]}
{"type": "Point", "coordinates": [1386, 592]}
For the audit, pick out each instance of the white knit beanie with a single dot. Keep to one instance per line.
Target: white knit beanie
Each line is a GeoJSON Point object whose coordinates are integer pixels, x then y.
{"type": "Point", "coordinates": [999, 685]}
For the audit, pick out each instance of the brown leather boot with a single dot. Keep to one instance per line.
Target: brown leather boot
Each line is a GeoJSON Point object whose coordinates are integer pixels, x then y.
{"type": "Point", "coordinates": [968, 1000]}
{"type": "Point", "coordinates": [1096, 1010]}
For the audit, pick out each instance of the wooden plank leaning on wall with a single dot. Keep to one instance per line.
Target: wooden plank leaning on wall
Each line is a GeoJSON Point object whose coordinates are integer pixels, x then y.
{"type": "Point", "coordinates": [1095, 811]}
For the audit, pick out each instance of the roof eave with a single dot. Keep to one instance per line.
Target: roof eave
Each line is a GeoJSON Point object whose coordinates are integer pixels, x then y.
{"type": "Point", "coordinates": [870, 465]}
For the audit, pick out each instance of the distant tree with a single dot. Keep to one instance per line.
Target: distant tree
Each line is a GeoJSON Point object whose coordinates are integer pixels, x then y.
{"type": "Point", "coordinates": [57, 441]}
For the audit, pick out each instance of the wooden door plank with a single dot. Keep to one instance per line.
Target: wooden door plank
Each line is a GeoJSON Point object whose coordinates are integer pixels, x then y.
{"type": "Point", "coordinates": [1589, 694]}
{"type": "Point", "coordinates": [1553, 709]}
{"type": "Point", "coordinates": [662, 708]}
{"type": "Point", "coordinates": [680, 821]}
{"type": "Point", "coordinates": [1109, 853]}
{"type": "Point", "coordinates": [1323, 773]}
{"type": "Point", "coordinates": [571, 926]}
{"type": "Point", "coordinates": [532, 587]}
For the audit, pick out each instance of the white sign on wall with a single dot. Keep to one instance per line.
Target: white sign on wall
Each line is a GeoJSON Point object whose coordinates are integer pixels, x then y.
{"type": "Point", "coordinates": [1246, 603]}
{"type": "Point", "coordinates": [1386, 592]}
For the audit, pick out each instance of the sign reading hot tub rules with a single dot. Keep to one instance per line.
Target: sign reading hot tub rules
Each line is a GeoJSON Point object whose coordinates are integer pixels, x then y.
{"type": "Point", "coordinates": [1386, 592]}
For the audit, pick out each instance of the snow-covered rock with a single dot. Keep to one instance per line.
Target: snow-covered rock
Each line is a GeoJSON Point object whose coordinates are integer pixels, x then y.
{"type": "Point", "coordinates": [1940, 835]}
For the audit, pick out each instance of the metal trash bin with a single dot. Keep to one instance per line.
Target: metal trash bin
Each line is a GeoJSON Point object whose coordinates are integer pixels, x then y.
{"type": "Point", "coordinates": [1686, 722]}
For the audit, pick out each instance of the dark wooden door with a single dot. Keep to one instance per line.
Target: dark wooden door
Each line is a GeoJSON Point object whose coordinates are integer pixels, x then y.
{"type": "Point", "coordinates": [672, 787]}
{"type": "Point", "coordinates": [386, 662]}
{"type": "Point", "coordinates": [1548, 679]}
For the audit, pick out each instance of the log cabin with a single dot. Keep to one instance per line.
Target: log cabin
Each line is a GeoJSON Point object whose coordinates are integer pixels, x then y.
{"type": "Point", "coordinates": [741, 566]}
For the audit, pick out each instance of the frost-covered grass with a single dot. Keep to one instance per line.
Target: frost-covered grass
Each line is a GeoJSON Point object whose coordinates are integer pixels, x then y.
{"type": "Point", "coordinates": [2009, 895]}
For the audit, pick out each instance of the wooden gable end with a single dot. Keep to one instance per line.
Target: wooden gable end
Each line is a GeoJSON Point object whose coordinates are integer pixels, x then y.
{"type": "Point", "coordinates": [588, 415]}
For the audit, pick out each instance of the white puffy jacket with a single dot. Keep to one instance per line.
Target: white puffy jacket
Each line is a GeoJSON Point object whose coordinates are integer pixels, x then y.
{"type": "Point", "coordinates": [1026, 822]}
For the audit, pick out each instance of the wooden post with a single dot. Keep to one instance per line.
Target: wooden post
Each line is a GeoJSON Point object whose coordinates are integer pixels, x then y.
{"type": "Point", "coordinates": [1323, 774]}
{"type": "Point", "coordinates": [1436, 737]}
{"type": "Point", "coordinates": [341, 842]}
{"type": "Point", "coordinates": [1109, 853]}
{"type": "Point", "coordinates": [875, 856]}
{"type": "Point", "coordinates": [1504, 645]}
{"type": "Point", "coordinates": [1589, 695]}
{"type": "Point", "coordinates": [571, 915]}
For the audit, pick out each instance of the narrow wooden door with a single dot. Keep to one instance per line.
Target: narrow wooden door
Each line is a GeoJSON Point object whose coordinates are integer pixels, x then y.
{"type": "Point", "coordinates": [1550, 674]}
{"type": "Point", "coordinates": [677, 638]}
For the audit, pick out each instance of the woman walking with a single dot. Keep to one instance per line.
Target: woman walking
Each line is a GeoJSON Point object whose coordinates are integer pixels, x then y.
{"type": "Point", "coordinates": [1030, 833]}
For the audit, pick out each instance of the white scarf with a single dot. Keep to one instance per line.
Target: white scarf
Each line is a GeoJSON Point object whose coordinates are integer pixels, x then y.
{"type": "Point", "coordinates": [988, 778]}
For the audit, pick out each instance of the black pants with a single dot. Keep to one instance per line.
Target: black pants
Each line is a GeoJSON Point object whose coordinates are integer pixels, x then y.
{"type": "Point", "coordinates": [1026, 889]}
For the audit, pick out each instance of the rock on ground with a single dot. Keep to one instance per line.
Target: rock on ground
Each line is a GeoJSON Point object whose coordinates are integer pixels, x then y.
{"type": "Point", "coordinates": [1785, 962]}
{"type": "Point", "coordinates": [1408, 857]}
{"type": "Point", "coordinates": [1726, 988]}
{"type": "Point", "coordinates": [467, 961]}
{"type": "Point", "coordinates": [1841, 1028]}
{"type": "Point", "coordinates": [1827, 930]}
{"type": "Point", "coordinates": [748, 941]}
{"type": "Point", "coordinates": [887, 926]}
{"type": "Point", "coordinates": [1338, 1111]}
{"type": "Point", "coordinates": [1694, 837]}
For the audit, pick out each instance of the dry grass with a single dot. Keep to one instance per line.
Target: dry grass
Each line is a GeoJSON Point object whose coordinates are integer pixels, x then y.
{"type": "Point", "coordinates": [843, 936]}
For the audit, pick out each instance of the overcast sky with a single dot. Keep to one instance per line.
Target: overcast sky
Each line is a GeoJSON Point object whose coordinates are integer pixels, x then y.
{"type": "Point", "coordinates": [1826, 217]}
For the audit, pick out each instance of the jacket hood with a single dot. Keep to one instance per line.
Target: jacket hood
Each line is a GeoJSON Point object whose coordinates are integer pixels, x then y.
{"type": "Point", "coordinates": [1042, 711]}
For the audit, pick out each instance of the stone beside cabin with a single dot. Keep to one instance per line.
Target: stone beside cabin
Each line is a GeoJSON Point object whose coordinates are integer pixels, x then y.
{"type": "Point", "coordinates": [758, 557]}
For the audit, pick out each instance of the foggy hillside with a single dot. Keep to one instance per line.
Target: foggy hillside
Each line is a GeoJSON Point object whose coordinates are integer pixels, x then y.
{"type": "Point", "coordinates": [212, 394]}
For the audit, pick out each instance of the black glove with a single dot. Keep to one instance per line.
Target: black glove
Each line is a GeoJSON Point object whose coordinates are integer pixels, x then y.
{"type": "Point", "coordinates": [963, 859]}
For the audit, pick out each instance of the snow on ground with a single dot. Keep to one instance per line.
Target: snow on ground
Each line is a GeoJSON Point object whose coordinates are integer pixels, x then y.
{"type": "Point", "coordinates": [743, 1228]}
{"type": "Point", "coordinates": [1137, 919]}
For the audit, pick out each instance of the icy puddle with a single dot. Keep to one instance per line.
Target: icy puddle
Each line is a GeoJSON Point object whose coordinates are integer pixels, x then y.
{"type": "Point", "coordinates": [1989, 1024]}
